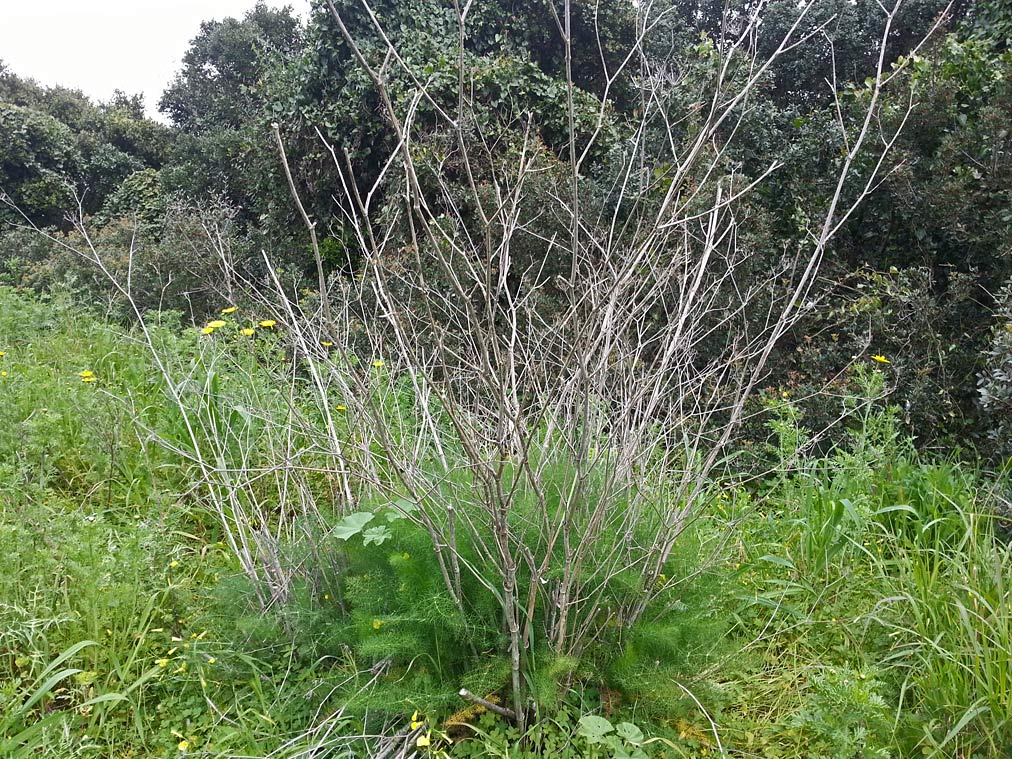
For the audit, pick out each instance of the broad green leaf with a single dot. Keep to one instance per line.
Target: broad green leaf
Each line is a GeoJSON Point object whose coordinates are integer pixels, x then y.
{"type": "Point", "coordinates": [629, 731]}
{"type": "Point", "coordinates": [594, 728]}
{"type": "Point", "coordinates": [352, 524]}
{"type": "Point", "coordinates": [376, 535]}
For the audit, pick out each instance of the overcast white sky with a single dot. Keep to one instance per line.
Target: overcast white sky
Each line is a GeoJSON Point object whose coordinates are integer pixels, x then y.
{"type": "Point", "coordinates": [98, 46]}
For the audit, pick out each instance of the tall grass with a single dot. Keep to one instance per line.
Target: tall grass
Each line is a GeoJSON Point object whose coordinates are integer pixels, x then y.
{"type": "Point", "coordinates": [949, 608]}
{"type": "Point", "coordinates": [885, 565]}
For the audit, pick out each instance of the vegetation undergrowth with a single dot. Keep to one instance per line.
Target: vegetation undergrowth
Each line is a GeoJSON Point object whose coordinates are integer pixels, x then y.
{"type": "Point", "coordinates": [856, 605]}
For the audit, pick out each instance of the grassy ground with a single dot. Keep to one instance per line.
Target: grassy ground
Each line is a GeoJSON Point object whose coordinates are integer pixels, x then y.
{"type": "Point", "coordinates": [855, 606]}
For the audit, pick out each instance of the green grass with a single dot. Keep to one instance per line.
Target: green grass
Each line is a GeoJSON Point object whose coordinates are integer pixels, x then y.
{"type": "Point", "coordinates": [116, 632]}
{"type": "Point", "coordinates": [857, 605]}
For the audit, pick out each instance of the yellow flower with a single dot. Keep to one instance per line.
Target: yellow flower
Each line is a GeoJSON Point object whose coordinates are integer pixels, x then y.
{"type": "Point", "coordinates": [377, 363]}
{"type": "Point", "coordinates": [340, 407]}
{"type": "Point", "coordinates": [3, 353]}
{"type": "Point", "coordinates": [230, 310]}
{"type": "Point", "coordinates": [211, 660]}
{"type": "Point", "coordinates": [415, 722]}
{"type": "Point", "coordinates": [267, 323]}
{"type": "Point", "coordinates": [326, 344]}
{"type": "Point", "coordinates": [86, 373]}
{"type": "Point", "coordinates": [377, 624]}
{"type": "Point", "coordinates": [173, 563]}
{"type": "Point", "coordinates": [207, 330]}
{"type": "Point", "coordinates": [183, 745]}
{"type": "Point", "coordinates": [3, 373]}
{"type": "Point", "coordinates": [88, 379]}
{"type": "Point", "coordinates": [217, 323]}
{"type": "Point", "coordinates": [423, 740]}
{"type": "Point", "coordinates": [881, 359]}
{"type": "Point", "coordinates": [162, 662]}
{"type": "Point", "coordinates": [248, 331]}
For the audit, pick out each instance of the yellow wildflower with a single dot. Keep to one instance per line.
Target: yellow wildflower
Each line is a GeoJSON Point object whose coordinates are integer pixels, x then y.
{"type": "Point", "coordinates": [183, 745]}
{"type": "Point", "coordinates": [248, 331]}
{"type": "Point", "coordinates": [377, 624]}
{"type": "Point", "coordinates": [86, 373]}
{"type": "Point", "coordinates": [3, 373]}
{"type": "Point", "coordinates": [341, 407]}
{"type": "Point", "coordinates": [217, 323]}
{"type": "Point", "coordinates": [230, 310]}
{"type": "Point", "coordinates": [173, 563]}
{"type": "Point", "coordinates": [267, 323]}
{"type": "Point", "coordinates": [207, 330]}
{"type": "Point", "coordinates": [326, 344]}
{"type": "Point", "coordinates": [377, 363]}
{"type": "Point", "coordinates": [424, 740]}
{"type": "Point", "coordinates": [162, 662]}
{"type": "Point", "coordinates": [3, 353]}
{"type": "Point", "coordinates": [88, 379]}
{"type": "Point", "coordinates": [415, 722]}
{"type": "Point", "coordinates": [211, 660]}
{"type": "Point", "coordinates": [881, 359]}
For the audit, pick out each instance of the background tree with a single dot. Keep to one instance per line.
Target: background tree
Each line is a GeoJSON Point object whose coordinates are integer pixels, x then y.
{"type": "Point", "coordinates": [216, 89]}
{"type": "Point", "coordinates": [55, 143]}
{"type": "Point", "coordinates": [910, 275]}
{"type": "Point", "coordinates": [916, 269]}
{"type": "Point", "coordinates": [838, 39]}
{"type": "Point", "coordinates": [217, 102]}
